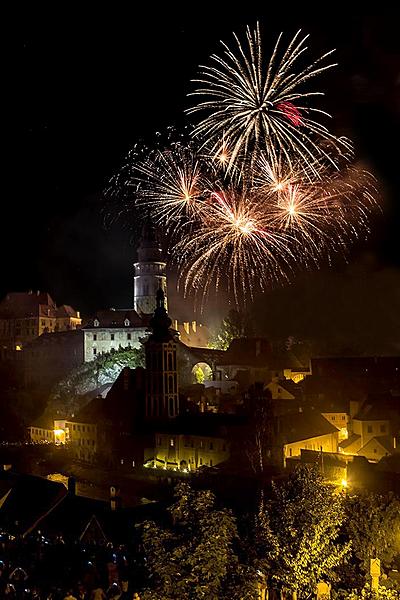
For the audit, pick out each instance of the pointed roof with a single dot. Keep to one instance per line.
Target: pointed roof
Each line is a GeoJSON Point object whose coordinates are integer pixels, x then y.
{"type": "Point", "coordinates": [160, 323]}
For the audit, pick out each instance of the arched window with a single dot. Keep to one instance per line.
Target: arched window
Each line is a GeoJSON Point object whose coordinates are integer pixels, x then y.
{"type": "Point", "coordinates": [127, 322]}
{"type": "Point", "coordinates": [96, 322]}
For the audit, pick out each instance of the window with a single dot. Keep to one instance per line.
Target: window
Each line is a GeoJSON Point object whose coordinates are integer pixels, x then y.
{"type": "Point", "coordinates": [333, 418]}
{"type": "Point", "coordinates": [129, 336]}
{"type": "Point", "coordinates": [201, 461]}
{"type": "Point", "coordinates": [375, 450]}
{"type": "Point", "coordinates": [383, 428]}
{"type": "Point", "coordinates": [172, 442]}
{"type": "Point", "coordinates": [95, 337]}
{"type": "Point", "coordinates": [369, 428]}
{"type": "Point", "coordinates": [112, 337]}
{"type": "Point", "coordinates": [96, 322]}
{"type": "Point", "coordinates": [78, 427]}
{"type": "Point", "coordinates": [94, 350]}
{"type": "Point", "coordinates": [83, 428]}
{"type": "Point", "coordinates": [211, 446]}
{"type": "Point", "coordinates": [211, 463]}
{"type": "Point", "coordinates": [126, 322]}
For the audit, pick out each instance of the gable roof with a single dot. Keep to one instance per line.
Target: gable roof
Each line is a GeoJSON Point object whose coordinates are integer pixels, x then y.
{"type": "Point", "coordinates": [115, 318]}
{"type": "Point", "coordinates": [17, 515]}
{"type": "Point", "coordinates": [296, 427]}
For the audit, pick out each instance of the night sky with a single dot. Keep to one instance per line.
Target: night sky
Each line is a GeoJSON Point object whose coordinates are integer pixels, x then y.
{"type": "Point", "coordinates": [81, 89]}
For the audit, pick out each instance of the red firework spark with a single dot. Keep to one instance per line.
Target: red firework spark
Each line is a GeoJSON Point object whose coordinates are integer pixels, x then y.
{"type": "Point", "coordinates": [291, 112]}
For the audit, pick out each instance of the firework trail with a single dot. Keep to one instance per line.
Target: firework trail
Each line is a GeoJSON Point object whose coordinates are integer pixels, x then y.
{"type": "Point", "coordinates": [254, 106]}
{"type": "Point", "coordinates": [258, 188]}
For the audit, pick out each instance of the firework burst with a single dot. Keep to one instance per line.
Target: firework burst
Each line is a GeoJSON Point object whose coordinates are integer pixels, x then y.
{"type": "Point", "coordinates": [234, 241]}
{"type": "Point", "coordinates": [254, 106]}
{"type": "Point", "coordinates": [259, 187]}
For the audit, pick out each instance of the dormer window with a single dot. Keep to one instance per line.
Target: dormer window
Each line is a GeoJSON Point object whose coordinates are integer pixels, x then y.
{"type": "Point", "coordinates": [127, 322]}
{"type": "Point", "coordinates": [96, 322]}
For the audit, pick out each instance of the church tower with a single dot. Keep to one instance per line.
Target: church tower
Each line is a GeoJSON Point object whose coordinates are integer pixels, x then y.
{"type": "Point", "coordinates": [162, 395]}
{"type": "Point", "coordinates": [149, 271]}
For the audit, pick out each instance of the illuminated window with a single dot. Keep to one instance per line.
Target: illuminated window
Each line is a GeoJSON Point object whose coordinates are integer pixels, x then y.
{"type": "Point", "coordinates": [172, 442]}
{"type": "Point", "coordinates": [96, 322]}
{"type": "Point", "coordinates": [126, 322]}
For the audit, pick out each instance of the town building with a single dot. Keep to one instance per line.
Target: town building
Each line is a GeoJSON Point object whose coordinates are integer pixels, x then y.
{"type": "Point", "coordinates": [305, 430]}
{"type": "Point", "coordinates": [373, 430]}
{"type": "Point", "coordinates": [113, 329]}
{"type": "Point", "coordinates": [189, 451]}
{"type": "Point", "coordinates": [24, 316]}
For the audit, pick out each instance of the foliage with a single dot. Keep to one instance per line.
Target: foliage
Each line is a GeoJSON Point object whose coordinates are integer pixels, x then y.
{"type": "Point", "coordinates": [297, 532]}
{"type": "Point", "coordinates": [373, 526]}
{"type": "Point", "coordinates": [383, 593]}
{"type": "Point", "coordinates": [92, 375]}
{"type": "Point", "coordinates": [194, 556]}
{"type": "Point", "coordinates": [237, 324]}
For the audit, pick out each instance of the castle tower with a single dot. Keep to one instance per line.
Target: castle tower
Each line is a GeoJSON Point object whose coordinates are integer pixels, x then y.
{"type": "Point", "coordinates": [149, 271]}
{"type": "Point", "coordinates": [162, 395]}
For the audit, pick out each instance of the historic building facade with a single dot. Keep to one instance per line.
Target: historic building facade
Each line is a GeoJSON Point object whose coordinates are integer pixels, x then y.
{"type": "Point", "coordinates": [24, 316]}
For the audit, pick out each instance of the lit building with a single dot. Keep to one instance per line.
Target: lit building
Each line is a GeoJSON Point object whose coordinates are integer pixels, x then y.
{"type": "Point", "coordinates": [112, 330]}
{"type": "Point", "coordinates": [187, 452]}
{"type": "Point", "coordinates": [192, 333]}
{"type": "Point", "coordinates": [340, 420]}
{"type": "Point", "coordinates": [372, 432]}
{"type": "Point", "coordinates": [306, 431]}
{"type": "Point", "coordinates": [26, 315]}
{"type": "Point", "coordinates": [81, 438]}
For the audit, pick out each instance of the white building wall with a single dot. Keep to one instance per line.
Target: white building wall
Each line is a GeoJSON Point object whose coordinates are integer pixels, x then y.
{"type": "Point", "coordinates": [102, 340]}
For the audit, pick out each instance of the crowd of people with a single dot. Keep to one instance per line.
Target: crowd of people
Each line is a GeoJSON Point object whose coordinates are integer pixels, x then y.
{"type": "Point", "coordinates": [36, 568]}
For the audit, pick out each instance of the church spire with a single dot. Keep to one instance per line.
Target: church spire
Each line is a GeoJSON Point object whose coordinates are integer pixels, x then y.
{"type": "Point", "coordinates": [162, 392]}
{"type": "Point", "coordinates": [160, 322]}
